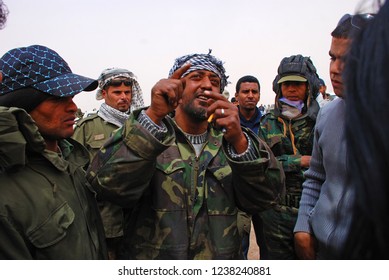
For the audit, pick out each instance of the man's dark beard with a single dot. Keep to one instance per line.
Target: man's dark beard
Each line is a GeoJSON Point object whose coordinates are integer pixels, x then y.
{"type": "Point", "coordinates": [197, 114]}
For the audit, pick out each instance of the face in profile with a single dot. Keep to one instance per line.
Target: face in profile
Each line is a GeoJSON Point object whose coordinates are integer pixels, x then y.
{"type": "Point", "coordinates": [55, 117]}
{"type": "Point", "coordinates": [338, 50]}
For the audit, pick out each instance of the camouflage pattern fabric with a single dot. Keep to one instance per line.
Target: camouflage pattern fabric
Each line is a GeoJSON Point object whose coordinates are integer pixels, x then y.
{"type": "Point", "coordinates": [289, 140]}
{"type": "Point", "coordinates": [279, 132]}
{"type": "Point", "coordinates": [278, 230]}
{"type": "Point", "coordinates": [180, 206]}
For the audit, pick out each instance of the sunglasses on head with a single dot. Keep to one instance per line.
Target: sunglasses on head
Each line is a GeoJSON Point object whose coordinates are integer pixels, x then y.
{"type": "Point", "coordinates": [358, 21]}
{"type": "Point", "coordinates": [119, 82]}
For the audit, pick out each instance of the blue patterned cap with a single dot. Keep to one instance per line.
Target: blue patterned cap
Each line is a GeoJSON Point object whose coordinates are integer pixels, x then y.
{"type": "Point", "coordinates": [43, 69]}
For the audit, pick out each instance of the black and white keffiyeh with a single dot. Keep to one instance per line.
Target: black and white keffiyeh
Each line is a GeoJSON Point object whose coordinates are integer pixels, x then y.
{"type": "Point", "coordinates": [110, 74]}
{"type": "Point", "coordinates": [111, 115]}
{"type": "Point", "coordinates": [201, 62]}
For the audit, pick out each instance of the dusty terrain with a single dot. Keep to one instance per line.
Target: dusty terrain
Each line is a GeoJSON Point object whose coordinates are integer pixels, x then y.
{"type": "Point", "coordinates": [253, 253]}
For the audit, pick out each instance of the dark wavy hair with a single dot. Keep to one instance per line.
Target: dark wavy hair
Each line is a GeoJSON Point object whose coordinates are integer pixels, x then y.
{"type": "Point", "coordinates": [367, 133]}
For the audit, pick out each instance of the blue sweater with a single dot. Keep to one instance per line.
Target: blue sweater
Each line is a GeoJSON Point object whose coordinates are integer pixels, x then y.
{"type": "Point", "coordinates": [326, 202]}
{"type": "Point", "coordinates": [253, 123]}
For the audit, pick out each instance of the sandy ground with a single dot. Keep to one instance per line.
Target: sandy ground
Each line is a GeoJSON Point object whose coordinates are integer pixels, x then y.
{"type": "Point", "coordinates": [253, 253]}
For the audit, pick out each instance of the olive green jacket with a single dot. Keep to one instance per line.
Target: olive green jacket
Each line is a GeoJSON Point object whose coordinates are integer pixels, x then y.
{"type": "Point", "coordinates": [182, 206]}
{"type": "Point", "coordinates": [47, 210]}
{"type": "Point", "coordinates": [92, 132]}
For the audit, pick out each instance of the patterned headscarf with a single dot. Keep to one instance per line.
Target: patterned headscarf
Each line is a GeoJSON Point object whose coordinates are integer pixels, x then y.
{"type": "Point", "coordinates": [110, 74]}
{"type": "Point", "coordinates": [202, 62]}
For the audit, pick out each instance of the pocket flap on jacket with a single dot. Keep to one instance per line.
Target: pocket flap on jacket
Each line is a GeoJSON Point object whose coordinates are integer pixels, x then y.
{"type": "Point", "coordinates": [53, 229]}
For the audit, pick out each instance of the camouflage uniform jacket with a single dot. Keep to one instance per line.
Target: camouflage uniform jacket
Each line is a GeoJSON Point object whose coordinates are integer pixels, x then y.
{"type": "Point", "coordinates": [289, 139]}
{"type": "Point", "coordinates": [183, 206]}
{"type": "Point", "coordinates": [46, 209]}
{"type": "Point", "coordinates": [92, 132]}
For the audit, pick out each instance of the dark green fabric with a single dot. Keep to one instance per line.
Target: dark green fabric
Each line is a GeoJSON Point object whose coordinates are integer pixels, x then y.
{"type": "Point", "coordinates": [92, 132]}
{"type": "Point", "coordinates": [278, 223]}
{"type": "Point", "coordinates": [183, 206]}
{"type": "Point", "coordinates": [47, 209]}
{"type": "Point", "coordinates": [278, 230]}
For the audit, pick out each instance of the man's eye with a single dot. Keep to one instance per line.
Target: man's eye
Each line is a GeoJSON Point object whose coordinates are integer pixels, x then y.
{"type": "Point", "coordinates": [215, 82]}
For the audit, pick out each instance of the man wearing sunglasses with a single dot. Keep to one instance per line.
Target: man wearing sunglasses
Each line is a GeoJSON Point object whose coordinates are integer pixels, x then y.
{"type": "Point", "coordinates": [122, 94]}
{"type": "Point", "coordinates": [326, 203]}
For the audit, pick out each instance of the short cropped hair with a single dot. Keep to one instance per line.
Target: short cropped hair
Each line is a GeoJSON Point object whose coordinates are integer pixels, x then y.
{"type": "Point", "coordinates": [247, 79]}
{"type": "Point", "coordinates": [350, 25]}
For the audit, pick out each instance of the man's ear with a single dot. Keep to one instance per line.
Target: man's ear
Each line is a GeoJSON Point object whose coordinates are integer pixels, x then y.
{"type": "Point", "coordinates": [104, 93]}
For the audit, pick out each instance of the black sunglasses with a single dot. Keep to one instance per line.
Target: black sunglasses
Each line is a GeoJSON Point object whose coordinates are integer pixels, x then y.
{"type": "Point", "coordinates": [358, 21]}
{"type": "Point", "coordinates": [118, 82]}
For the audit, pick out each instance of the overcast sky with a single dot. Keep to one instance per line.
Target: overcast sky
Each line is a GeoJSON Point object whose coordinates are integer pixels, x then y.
{"type": "Point", "coordinates": [145, 36]}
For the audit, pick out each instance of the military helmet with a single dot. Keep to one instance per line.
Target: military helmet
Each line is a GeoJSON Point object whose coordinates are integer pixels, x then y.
{"type": "Point", "coordinates": [297, 66]}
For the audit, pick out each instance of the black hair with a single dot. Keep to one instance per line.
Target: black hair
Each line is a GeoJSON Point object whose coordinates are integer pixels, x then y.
{"type": "Point", "coordinates": [367, 136]}
{"type": "Point", "coordinates": [26, 98]}
{"type": "Point", "coordinates": [247, 79]}
{"type": "Point", "coordinates": [350, 25]}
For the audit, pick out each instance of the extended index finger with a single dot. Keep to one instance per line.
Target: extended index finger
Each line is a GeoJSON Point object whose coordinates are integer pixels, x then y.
{"type": "Point", "coordinates": [180, 71]}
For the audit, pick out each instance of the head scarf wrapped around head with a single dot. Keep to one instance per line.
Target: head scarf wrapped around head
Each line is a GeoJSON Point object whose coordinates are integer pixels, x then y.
{"type": "Point", "coordinates": [202, 62]}
{"type": "Point", "coordinates": [110, 74]}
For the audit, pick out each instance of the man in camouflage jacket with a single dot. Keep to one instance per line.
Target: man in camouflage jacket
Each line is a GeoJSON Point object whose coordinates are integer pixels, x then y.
{"type": "Point", "coordinates": [182, 178]}
{"type": "Point", "coordinates": [289, 131]}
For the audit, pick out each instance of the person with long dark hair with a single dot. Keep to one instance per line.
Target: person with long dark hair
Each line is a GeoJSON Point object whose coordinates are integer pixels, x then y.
{"type": "Point", "coordinates": [367, 138]}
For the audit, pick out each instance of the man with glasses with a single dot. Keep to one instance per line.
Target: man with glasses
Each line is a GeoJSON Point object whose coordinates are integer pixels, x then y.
{"type": "Point", "coordinates": [326, 203]}
{"type": "Point", "coordinates": [122, 94]}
